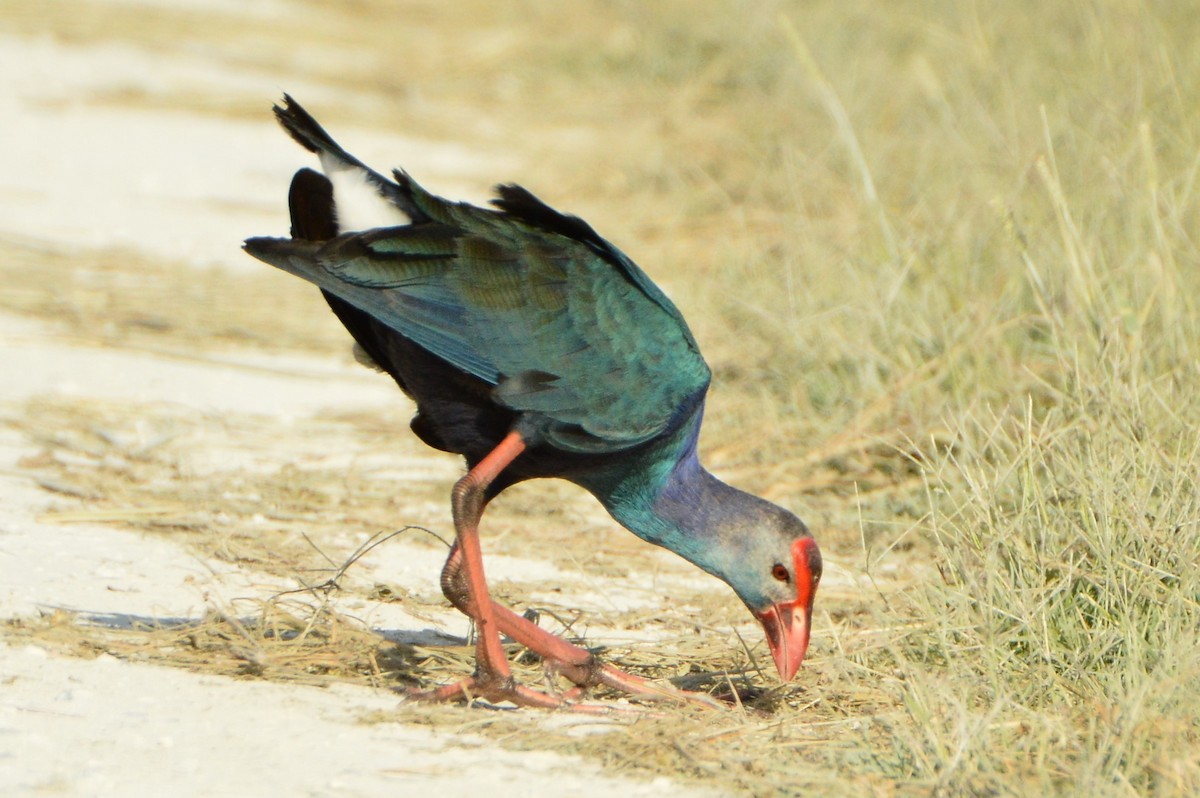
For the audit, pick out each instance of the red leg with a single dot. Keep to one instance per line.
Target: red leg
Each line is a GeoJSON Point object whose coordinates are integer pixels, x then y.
{"type": "Point", "coordinates": [465, 584]}
{"type": "Point", "coordinates": [468, 501]}
{"type": "Point", "coordinates": [576, 664]}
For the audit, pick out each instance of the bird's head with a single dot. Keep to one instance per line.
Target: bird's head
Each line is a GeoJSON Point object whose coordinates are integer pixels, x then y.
{"type": "Point", "coordinates": [764, 552]}
{"type": "Point", "coordinates": [777, 578]}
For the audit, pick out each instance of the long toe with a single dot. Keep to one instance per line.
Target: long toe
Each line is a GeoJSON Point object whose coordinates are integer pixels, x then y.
{"type": "Point", "coordinates": [497, 692]}
{"type": "Point", "coordinates": [584, 669]}
{"type": "Point", "coordinates": [594, 673]}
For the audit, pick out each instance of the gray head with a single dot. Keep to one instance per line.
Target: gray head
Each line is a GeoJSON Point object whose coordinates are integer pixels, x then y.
{"type": "Point", "coordinates": [774, 566]}
{"type": "Point", "coordinates": [764, 552]}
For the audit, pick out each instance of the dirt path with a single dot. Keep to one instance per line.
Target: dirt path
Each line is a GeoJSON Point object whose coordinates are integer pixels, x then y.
{"type": "Point", "coordinates": [111, 416]}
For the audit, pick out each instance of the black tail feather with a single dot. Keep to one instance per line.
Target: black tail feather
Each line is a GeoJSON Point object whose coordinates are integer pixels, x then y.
{"type": "Point", "coordinates": [309, 134]}
{"type": "Point", "coordinates": [310, 203]}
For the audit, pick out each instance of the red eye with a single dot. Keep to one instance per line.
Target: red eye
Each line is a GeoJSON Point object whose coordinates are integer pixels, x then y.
{"type": "Point", "coordinates": [780, 573]}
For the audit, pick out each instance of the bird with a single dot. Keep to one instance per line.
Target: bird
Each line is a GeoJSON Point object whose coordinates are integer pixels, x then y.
{"type": "Point", "coordinates": [534, 348]}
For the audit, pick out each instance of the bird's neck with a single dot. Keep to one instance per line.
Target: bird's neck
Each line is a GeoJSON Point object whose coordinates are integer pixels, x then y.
{"type": "Point", "coordinates": [673, 502]}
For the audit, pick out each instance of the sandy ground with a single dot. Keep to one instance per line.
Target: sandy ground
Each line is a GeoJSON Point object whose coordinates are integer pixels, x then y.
{"type": "Point", "coordinates": [189, 188]}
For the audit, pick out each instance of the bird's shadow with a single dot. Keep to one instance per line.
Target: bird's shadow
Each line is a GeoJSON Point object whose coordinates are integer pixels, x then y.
{"type": "Point", "coordinates": [130, 622]}
{"type": "Point", "coordinates": [250, 628]}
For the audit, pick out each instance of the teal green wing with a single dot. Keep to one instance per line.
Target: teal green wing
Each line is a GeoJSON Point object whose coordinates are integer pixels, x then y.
{"type": "Point", "coordinates": [569, 331]}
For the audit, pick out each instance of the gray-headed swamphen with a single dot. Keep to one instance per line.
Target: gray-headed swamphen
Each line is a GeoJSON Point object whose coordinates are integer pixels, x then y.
{"type": "Point", "coordinates": [534, 348]}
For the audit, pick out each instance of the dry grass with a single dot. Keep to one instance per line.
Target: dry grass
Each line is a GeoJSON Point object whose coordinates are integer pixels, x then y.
{"type": "Point", "coordinates": [942, 258]}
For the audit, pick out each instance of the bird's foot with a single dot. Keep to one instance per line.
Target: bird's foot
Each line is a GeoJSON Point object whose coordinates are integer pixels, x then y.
{"type": "Point", "coordinates": [594, 673]}
{"type": "Point", "coordinates": [559, 657]}
{"type": "Point", "coordinates": [496, 689]}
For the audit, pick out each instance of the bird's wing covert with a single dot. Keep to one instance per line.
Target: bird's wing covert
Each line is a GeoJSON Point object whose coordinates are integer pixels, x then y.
{"type": "Point", "coordinates": [569, 331]}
